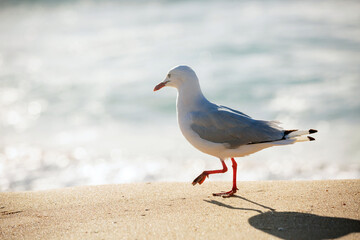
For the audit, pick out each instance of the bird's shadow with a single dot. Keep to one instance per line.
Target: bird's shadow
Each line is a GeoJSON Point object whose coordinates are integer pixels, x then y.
{"type": "Point", "coordinates": [296, 225]}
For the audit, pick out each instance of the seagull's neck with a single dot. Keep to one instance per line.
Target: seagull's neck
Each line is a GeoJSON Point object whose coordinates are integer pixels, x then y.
{"type": "Point", "coordinates": [190, 96]}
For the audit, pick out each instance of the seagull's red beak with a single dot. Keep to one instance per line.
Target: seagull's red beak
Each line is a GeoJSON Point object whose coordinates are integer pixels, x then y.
{"type": "Point", "coordinates": [160, 85]}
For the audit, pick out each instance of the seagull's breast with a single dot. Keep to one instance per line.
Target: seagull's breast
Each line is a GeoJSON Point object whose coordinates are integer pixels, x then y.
{"type": "Point", "coordinates": [190, 99]}
{"type": "Point", "coordinates": [211, 148]}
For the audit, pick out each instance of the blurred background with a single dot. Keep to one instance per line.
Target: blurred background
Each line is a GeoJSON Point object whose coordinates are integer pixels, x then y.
{"type": "Point", "coordinates": [77, 105]}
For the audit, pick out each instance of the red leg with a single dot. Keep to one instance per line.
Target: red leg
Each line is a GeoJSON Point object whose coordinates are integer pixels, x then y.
{"type": "Point", "coordinates": [234, 188]}
{"type": "Point", "coordinates": [201, 178]}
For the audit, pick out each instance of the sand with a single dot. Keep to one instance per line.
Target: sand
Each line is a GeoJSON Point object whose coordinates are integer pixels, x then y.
{"type": "Point", "coordinates": [260, 210]}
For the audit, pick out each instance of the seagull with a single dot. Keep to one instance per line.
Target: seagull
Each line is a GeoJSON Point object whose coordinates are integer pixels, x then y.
{"type": "Point", "coordinates": [221, 131]}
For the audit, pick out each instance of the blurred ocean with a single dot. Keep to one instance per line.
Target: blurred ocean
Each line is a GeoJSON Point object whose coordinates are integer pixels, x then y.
{"type": "Point", "coordinates": [76, 81]}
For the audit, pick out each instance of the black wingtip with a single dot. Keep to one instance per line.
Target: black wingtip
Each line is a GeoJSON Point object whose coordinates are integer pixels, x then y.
{"type": "Point", "coordinates": [311, 138]}
{"type": "Point", "coordinates": [313, 131]}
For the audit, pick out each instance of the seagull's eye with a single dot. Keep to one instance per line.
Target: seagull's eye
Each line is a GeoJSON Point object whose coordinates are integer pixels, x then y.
{"type": "Point", "coordinates": [169, 75]}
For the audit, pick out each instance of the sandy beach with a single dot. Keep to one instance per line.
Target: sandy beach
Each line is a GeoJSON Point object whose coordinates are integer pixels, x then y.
{"type": "Point", "coordinates": [260, 210]}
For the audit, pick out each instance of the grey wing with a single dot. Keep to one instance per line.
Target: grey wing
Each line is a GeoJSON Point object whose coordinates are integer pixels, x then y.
{"type": "Point", "coordinates": [233, 110]}
{"type": "Point", "coordinates": [224, 125]}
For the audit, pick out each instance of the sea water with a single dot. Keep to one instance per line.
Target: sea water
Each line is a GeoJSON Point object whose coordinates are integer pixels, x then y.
{"type": "Point", "coordinates": [77, 105]}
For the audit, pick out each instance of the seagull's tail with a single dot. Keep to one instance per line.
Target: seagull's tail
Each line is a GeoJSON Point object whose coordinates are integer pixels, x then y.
{"type": "Point", "coordinates": [298, 135]}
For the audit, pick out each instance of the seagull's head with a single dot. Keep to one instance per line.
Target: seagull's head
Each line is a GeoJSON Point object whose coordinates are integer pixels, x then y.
{"type": "Point", "coordinates": [177, 77]}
